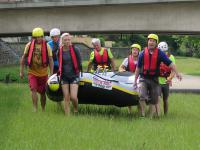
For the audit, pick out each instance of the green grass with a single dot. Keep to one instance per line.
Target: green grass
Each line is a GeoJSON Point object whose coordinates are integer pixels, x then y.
{"type": "Point", "coordinates": [96, 127]}
{"type": "Point", "coordinates": [188, 65]}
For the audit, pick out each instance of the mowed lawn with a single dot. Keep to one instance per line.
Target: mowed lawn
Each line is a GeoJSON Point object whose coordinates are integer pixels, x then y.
{"type": "Point", "coordinates": [95, 127]}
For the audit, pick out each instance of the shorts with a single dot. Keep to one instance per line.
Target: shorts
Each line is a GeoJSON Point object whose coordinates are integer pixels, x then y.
{"type": "Point", "coordinates": [164, 91]}
{"type": "Point", "coordinates": [37, 83]}
{"type": "Point", "coordinates": [66, 80]}
{"type": "Point", "coordinates": [149, 89]}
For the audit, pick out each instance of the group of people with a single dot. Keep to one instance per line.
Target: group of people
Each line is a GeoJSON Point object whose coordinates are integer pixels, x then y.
{"type": "Point", "coordinates": [154, 67]}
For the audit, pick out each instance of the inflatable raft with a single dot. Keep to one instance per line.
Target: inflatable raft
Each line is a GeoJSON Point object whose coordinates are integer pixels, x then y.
{"type": "Point", "coordinates": [106, 88]}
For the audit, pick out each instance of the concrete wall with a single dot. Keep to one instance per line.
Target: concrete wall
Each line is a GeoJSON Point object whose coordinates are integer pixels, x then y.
{"type": "Point", "coordinates": [69, 3]}
{"type": "Point", "coordinates": [155, 17]}
{"type": "Point", "coordinates": [8, 54]}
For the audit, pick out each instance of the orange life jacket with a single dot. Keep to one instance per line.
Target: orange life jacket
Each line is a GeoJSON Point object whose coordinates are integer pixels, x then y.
{"type": "Point", "coordinates": [44, 52]}
{"type": "Point", "coordinates": [74, 60]}
{"type": "Point", "coordinates": [102, 60]}
{"type": "Point", "coordinates": [150, 65]}
{"type": "Point", "coordinates": [165, 71]}
{"type": "Point", "coordinates": [131, 65]}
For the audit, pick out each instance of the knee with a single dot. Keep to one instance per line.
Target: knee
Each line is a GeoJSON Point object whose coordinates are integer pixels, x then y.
{"type": "Point", "coordinates": [74, 97]}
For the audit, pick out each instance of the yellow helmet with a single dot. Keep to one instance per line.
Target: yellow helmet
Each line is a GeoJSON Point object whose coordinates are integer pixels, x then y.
{"type": "Point", "coordinates": [37, 32]}
{"type": "Point", "coordinates": [53, 83]}
{"type": "Point", "coordinates": [153, 36]}
{"type": "Point", "coordinates": [136, 46]}
{"type": "Point", "coordinates": [54, 86]}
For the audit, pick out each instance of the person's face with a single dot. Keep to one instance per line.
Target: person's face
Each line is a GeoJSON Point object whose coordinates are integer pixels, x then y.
{"type": "Point", "coordinates": [66, 40]}
{"type": "Point", "coordinates": [39, 40]}
{"type": "Point", "coordinates": [152, 44]}
{"type": "Point", "coordinates": [135, 52]}
{"type": "Point", "coordinates": [55, 38]}
{"type": "Point", "coordinates": [97, 46]}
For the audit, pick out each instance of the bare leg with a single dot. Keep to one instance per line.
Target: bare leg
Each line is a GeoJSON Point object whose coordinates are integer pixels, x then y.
{"type": "Point", "coordinates": [43, 101]}
{"type": "Point", "coordinates": [73, 95]}
{"type": "Point", "coordinates": [158, 107]}
{"type": "Point", "coordinates": [142, 106]}
{"type": "Point", "coordinates": [34, 100]}
{"type": "Point", "coordinates": [152, 110]}
{"type": "Point", "coordinates": [65, 89]}
{"type": "Point", "coordinates": [129, 109]}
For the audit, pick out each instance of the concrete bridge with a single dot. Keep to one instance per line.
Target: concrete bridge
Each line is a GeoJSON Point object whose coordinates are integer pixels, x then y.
{"type": "Point", "coordinates": [19, 17]}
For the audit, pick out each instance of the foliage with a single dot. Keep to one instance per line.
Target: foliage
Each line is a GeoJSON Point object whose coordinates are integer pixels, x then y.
{"type": "Point", "coordinates": [183, 45]}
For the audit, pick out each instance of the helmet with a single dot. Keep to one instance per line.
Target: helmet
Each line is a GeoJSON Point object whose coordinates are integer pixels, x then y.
{"type": "Point", "coordinates": [54, 32]}
{"type": "Point", "coordinates": [96, 40]}
{"type": "Point", "coordinates": [136, 46]}
{"type": "Point", "coordinates": [153, 36]}
{"type": "Point", "coordinates": [163, 46]}
{"type": "Point", "coordinates": [53, 88]}
{"type": "Point", "coordinates": [37, 32]}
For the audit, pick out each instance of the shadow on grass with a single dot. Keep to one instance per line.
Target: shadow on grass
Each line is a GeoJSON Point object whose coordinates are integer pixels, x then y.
{"type": "Point", "coordinates": [107, 112]}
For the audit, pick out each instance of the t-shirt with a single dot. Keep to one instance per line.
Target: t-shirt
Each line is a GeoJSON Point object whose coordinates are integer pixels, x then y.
{"type": "Point", "coordinates": [162, 57]}
{"type": "Point", "coordinates": [101, 53]}
{"type": "Point", "coordinates": [125, 62]}
{"type": "Point", "coordinates": [162, 80]}
{"type": "Point", "coordinates": [67, 64]}
{"type": "Point", "coordinates": [37, 67]}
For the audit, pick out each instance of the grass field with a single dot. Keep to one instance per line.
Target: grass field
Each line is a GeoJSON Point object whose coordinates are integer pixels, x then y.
{"type": "Point", "coordinates": [186, 65]}
{"type": "Point", "coordinates": [96, 127]}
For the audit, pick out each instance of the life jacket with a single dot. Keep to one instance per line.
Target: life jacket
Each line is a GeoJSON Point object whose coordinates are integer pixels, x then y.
{"type": "Point", "coordinates": [131, 65]}
{"type": "Point", "coordinates": [150, 64]}
{"type": "Point", "coordinates": [102, 60]}
{"type": "Point", "coordinates": [74, 60]}
{"type": "Point", "coordinates": [44, 53]}
{"type": "Point", "coordinates": [165, 71]}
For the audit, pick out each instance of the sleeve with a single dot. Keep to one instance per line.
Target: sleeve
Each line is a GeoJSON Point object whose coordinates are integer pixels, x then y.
{"type": "Point", "coordinates": [50, 44]}
{"type": "Point", "coordinates": [164, 58]}
{"type": "Point", "coordinates": [172, 58]}
{"type": "Point", "coordinates": [110, 55]}
{"type": "Point", "coordinates": [77, 51]}
{"type": "Point", "coordinates": [140, 60]}
{"type": "Point", "coordinates": [26, 49]}
{"type": "Point", "coordinates": [92, 56]}
{"type": "Point", "coordinates": [49, 50]}
{"type": "Point", "coordinates": [125, 62]}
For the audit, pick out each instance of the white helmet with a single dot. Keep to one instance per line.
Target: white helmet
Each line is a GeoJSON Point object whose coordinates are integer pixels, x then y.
{"type": "Point", "coordinates": [53, 88]}
{"type": "Point", "coordinates": [96, 40]}
{"type": "Point", "coordinates": [163, 46]}
{"type": "Point", "coordinates": [54, 32]}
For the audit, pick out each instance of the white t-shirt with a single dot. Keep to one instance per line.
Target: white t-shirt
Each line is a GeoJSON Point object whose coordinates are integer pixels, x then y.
{"type": "Point", "coordinates": [125, 62]}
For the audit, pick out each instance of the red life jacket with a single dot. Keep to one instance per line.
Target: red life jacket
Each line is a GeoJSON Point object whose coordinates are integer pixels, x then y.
{"type": "Point", "coordinates": [44, 52]}
{"type": "Point", "coordinates": [74, 60]}
{"type": "Point", "coordinates": [131, 64]}
{"type": "Point", "coordinates": [150, 65]}
{"type": "Point", "coordinates": [165, 71]}
{"type": "Point", "coordinates": [101, 59]}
